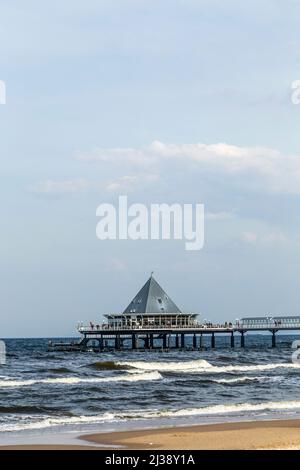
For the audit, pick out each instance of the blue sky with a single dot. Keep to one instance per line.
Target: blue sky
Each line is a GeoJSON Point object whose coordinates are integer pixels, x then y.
{"type": "Point", "coordinates": [158, 78]}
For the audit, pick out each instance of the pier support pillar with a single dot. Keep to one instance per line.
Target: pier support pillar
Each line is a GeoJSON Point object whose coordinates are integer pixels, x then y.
{"type": "Point", "coordinates": [177, 342]}
{"type": "Point", "coordinates": [201, 341]}
{"type": "Point", "coordinates": [117, 342]}
{"type": "Point", "coordinates": [182, 340]}
{"type": "Point", "coordinates": [273, 339]}
{"type": "Point", "coordinates": [242, 339]}
{"type": "Point", "coordinates": [151, 341]}
{"type": "Point", "coordinates": [164, 341]}
{"type": "Point", "coordinates": [134, 341]}
{"type": "Point", "coordinates": [101, 343]}
{"type": "Point", "coordinates": [194, 341]}
{"type": "Point", "coordinates": [213, 341]}
{"type": "Point", "coordinates": [146, 342]}
{"type": "Point", "coordinates": [232, 340]}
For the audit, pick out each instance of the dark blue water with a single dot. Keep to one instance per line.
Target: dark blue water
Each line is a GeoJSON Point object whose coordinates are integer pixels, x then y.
{"type": "Point", "coordinates": [42, 391]}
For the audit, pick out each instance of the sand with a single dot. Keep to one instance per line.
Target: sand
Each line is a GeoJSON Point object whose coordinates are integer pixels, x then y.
{"type": "Point", "coordinates": [260, 435]}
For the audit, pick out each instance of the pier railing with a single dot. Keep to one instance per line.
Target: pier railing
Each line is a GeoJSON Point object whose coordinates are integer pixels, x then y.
{"type": "Point", "coordinates": [268, 325]}
{"type": "Point", "coordinates": [86, 329]}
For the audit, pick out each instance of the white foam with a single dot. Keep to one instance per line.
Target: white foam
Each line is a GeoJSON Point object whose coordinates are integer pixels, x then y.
{"type": "Point", "coordinates": [51, 422]}
{"type": "Point", "coordinates": [254, 368]}
{"type": "Point", "coordinates": [168, 366]}
{"type": "Point", "coordinates": [226, 409]}
{"type": "Point", "coordinates": [243, 379]}
{"type": "Point", "coordinates": [240, 407]}
{"type": "Point", "coordinates": [202, 366]}
{"type": "Point", "coordinates": [154, 375]}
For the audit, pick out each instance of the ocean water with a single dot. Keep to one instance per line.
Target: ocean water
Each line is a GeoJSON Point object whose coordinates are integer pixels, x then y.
{"type": "Point", "coordinates": [44, 391]}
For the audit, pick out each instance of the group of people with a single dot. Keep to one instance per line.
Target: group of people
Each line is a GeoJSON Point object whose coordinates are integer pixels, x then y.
{"type": "Point", "coordinates": [94, 326]}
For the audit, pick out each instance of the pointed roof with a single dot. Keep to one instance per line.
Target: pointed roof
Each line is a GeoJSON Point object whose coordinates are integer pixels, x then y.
{"type": "Point", "coordinates": [152, 299]}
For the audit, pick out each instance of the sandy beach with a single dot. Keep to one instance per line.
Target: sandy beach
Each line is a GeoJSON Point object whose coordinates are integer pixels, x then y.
{"type": "Point", "coordinates": [261, 435]}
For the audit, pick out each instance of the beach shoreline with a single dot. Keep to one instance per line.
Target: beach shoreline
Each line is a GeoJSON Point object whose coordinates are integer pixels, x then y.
{"type": "Point", "coordinates": [280, 434]}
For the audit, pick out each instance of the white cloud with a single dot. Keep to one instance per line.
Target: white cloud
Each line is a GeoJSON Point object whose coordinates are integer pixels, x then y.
{"type": "Point", "coordinates": [60, 186]}
{"type": "Point", "coordinates": [136, 157]}
{"type": "Point", "coordinates": [116, 264]}
{"type": "Point", "coordinates": [269, 238]}
{"type": "Point", "coordinates": [68, 186]}
{"type": "Point", "coordinates": [275, 237]}
{"type": "Point", "coordinates": [130, 182]}
{"type": "Point", "coordinates": [249, 237]}
{"type": "Point", "coordinates": [219, 215]}
{"type": "Point", "coordinates": [265, 166]}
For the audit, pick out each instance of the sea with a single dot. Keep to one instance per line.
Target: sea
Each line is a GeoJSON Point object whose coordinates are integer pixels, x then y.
{"type": "Point", "coordinates": [44, 392]}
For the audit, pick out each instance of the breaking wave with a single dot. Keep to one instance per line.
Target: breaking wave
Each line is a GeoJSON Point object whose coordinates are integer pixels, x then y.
{"type": "Point", "coordinates": [180, 366]}
{"type": "Point", "coordinates": [226, 409]}
{"type": "Point", "coordinates": [52, 421]}
{"type": "Point", "coordinates": [109, 365]}
{"type": "Point", "coordinates": [77, 380]}
{"type": "Point", "coordinates": [203, 366]}
{"type": "Point", "coordinates": [247, 379]}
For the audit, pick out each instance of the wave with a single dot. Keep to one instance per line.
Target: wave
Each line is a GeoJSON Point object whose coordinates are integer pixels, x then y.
{"type": "Point", "coordinates": [247, 379]}
{"type": "Point", "coordinates": [254, 368]}
{"type": "Point", "coordinates": [52, 422]}
{"type": "Point", "coordinates": [180, 366]}
{"type": "Point", "coordinates": [108, 365]}
{"type": "Point", "coordinates": [203, 366]}
{"type": "Point", "coordinates": [55, 370]}
{"type": "Point", "coordinates": [227, 409]}
{"type": "Point", "coordinates": [19, 409]}
{"type": "Point", "coordinates": [77, 380]}
{"type": "Point", "coordinates": [144, 371]}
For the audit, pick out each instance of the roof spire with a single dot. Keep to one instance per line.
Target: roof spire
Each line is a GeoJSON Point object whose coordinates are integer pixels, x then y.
{"type": "Point", "coordinates": [152, 299]}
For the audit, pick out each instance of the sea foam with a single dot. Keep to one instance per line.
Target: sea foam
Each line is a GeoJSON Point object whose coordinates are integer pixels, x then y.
{"type": "Point", "coordinates": [77, 380]}
{"type": "Point", "coordinates": [202, 366]}
{"type": "Point", "coordinates": [226, 409]}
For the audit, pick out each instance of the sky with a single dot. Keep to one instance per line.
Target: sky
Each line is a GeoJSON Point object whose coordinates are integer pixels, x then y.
{"type": "Point", "coordinates": [185, 101]}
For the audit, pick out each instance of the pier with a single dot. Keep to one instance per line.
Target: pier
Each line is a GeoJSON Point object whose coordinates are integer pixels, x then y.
{"type": "Point", "coordinates": [152, 321]}
{"type": "Point", "coordinates": [149, 338]}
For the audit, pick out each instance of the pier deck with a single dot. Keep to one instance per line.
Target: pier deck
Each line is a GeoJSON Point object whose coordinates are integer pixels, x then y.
{"type": "Point", "coordinates": [165, 338]}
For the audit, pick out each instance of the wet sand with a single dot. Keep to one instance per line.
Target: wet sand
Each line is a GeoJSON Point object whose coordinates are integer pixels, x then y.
{"type": "Point", "coordinates": [254, 435]}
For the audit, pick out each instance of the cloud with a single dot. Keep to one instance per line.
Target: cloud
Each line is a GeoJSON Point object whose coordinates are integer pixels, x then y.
{"type": "Point", "coordinates": [263, 166]}
{"type": "Point", "coordinates": [57, 187]}
{"type": "Point", "coordinates": [117, 156]}
{"type": "Point", "coordinates": [270, 238]}
{"type": "Point", "coordinates": [130, 182]}
{"type": "Point", "coordinates": [116, 264]}
{"type": "Point", "coordinates": [249, 237]}
{"type": "Point", "coordinates": [266, 239]}
{"type": "Point", "coordinates": [68, 186]}
{"type": "Point", "coordinates": [219, 215]}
